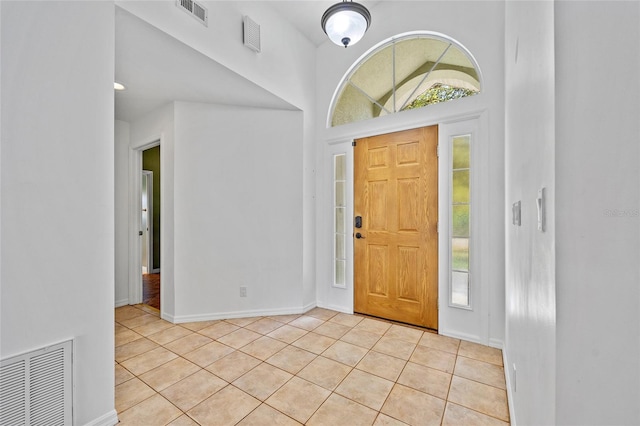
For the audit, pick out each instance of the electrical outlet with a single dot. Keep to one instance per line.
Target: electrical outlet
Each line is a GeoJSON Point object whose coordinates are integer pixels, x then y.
{"type": "Point", "coordinates": [243, 291]}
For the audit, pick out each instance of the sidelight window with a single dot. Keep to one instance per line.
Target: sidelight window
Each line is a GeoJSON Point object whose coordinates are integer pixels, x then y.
{"type": "Point", "coordinates": [460, 221]}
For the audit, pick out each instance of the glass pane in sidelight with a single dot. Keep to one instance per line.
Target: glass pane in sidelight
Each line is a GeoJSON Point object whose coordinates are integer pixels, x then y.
{"type": "Point", "coordinates": [461, 152]}
{"type": "Point", "coordinates": [340, 272]}
{"type": "Point", "coordinates": [460, 288]}
{"type": "Point", "coordinates": [340, 167]}
{"type": "Point", "coordinates": [461, 220]}
{"type": "Point", "coordinates": [460, 186]}
{"type": "Point", "coordinates": [340, 198]}
{"type": "Point", "coordinates": [340, 225]}
{"type": "Point", "coordinates": [460, 254]}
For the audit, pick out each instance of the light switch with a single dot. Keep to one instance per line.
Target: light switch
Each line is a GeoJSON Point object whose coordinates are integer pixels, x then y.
{"type": "Point", "coordinates": [540, 203]}
{"type": "Point", "coordinates": [515, 211]}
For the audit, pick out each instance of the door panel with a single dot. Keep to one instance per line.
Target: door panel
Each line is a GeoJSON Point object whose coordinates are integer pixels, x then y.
{"type": "Point", "coordinates": [396, 256]}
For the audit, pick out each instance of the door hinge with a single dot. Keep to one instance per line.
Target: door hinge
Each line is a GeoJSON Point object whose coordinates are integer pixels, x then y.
{"type": "Point", "coordinates": [353, 143]}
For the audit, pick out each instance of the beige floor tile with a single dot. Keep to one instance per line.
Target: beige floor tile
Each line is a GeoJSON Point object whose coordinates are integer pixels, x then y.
{"type": "Point", "coordinates": [363, 338]}
{"type": "Point", "coordinates": [169, 335]}
{"type": "Point", "coordinates": [480, 352]}
{"type": "Point", "coordinates": [321, 313]}
{"type": "Point", "coordinates": [167, 374]}
{"type": "Point", "coordinates": [425, 379]}
{"type": "Point", "coordinates": [346, 319]}
{"type": "Point", "coordinates": [407, 334]}
{"type": "Point", "coordinates": [239, 338]}
{"type": "Point", "coordinates": [233, 365]}
{"type": "Point", "coordinates": [131, 393]}
{"type": "Point", "coordinates": [135, 348]}
{"type": "Point", "coordinates": [455, 415]}
{"type": "Point", "coordinates": [298, 399]}
{"type": "Point", "coordinates": [373, 326]}
{"type": "Point", "coordinates": [148, 361]}
{"type": "Point", "coordinates": [208, 354]}
{"type": "Point", "coordinates": [413, 407]}
{"type": "Point", "coordinates": [127, 312]}
{"type": "Point", "coordinates": [313, 342]}
{"type": "Point", "coordinates": [345, 353]}
{"type": "Point", "coordinates": [332, 329]}
{"type": "Point", "coordinates": [155, 410]}
{"type": "Point", "coordinates": [188, 343]}
{"type": "Point", "coordinates": [306, 322]}
{"type": "Point", "coordinates": [125, 335]}
{"type": "Point", "coordinates": [264, 326]}
{"type": "Point", "coordinates": [263, 348]}
{"type": "Point", "coordinates": [443, 343]}
{"type": "Point", "coordinates": [483, 372]}
{"type": "Point", "coordinates": [226, 407]}
{"type": "Point", "coordinates": [385, 366]}
{"type": "Point", "coordinates": [384, 420]}
{"type": "Point", "coordinates": [479, 397]}
{"type": "Point", "coordinates": [325, 372]}
{"type": "Point", "coordinates": [242, 322]}
{"type": "Point", "coordinates": [291, 359]}
{"type": "Point", "coordinates": [365, 389]}
{"type": "Point", "coordinates": [395, 347]}
{"type": "Point", "coordinates": [140, 320]}
{"type": "Point", "coordinates": [434, 358]}
{"type": "Point", "coordinates": [262, 381]}
{"type": "Point", "coordinates": [285, 318]}
{"type": "Point", "coordinates": [287, 333]}
{"type": "Point", "coordinates": [267, 416]}
{"type": "Point", "coordinates": [183, 420]}
{"type": "Point", "coordinates": [218, 329]}
{"type": "Point", "coordinates": [152, 327]}
{"type": "Point", "coordinates": [122, 375]}
{"type": "Point", "coordinates": [337, 410]}
{"type": "Point", "coordinates": [189, 392]}
{"type": "Point", "coordinates": [198, 325]}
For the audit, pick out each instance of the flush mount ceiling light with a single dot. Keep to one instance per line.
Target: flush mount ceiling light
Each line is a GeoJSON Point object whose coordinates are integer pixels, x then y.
{"type": "Point", "coordinates": [345, 23]}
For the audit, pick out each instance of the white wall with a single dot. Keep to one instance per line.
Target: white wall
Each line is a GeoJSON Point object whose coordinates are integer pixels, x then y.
{"type": "Point", "coordinates": [238, 211]}
{"type": "Point", "coordinates": [286, 67]}
{"type": "Point", "coordinates": [597, 233]}
{"type": "Point", "coordinates": [530, 254]}
{"type": "Point", "coordinates": [121, 150]}
{"type": "Point", "coordinates": [479, 26]}
{"type": "Point", "coordinates": [58, 190]}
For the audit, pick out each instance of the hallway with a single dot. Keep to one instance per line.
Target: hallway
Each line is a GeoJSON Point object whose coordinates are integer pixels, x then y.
{"type": "Point", "coordinates": [321, 368]}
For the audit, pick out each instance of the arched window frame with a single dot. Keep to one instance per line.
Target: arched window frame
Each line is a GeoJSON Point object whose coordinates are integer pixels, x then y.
{"type": "Point", "coordinates": [387, 42]}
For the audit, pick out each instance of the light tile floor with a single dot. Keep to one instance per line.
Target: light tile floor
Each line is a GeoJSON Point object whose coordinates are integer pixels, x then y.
{"type": "Point", "coordinates": [321, 368]}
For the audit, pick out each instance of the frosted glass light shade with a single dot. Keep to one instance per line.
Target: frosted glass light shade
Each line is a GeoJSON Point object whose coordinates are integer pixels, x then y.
{"type": "Point", "coordinates": [345, 23]}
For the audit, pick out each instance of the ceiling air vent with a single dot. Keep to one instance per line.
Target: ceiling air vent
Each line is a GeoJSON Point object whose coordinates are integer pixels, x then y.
{"type": "Point", "coordinates": [195, 9]}
{"type": "Point", "coordinates": [251, 34]}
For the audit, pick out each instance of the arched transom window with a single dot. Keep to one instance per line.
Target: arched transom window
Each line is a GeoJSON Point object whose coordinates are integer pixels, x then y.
{"type": "Point", "coordinates": [407, 72]}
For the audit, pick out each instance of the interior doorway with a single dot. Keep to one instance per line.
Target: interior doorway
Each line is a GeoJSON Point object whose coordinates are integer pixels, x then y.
{"type": "Point", "coordinates": [396, 226]}
{"type": "Point", "coordinates": [150, 226]}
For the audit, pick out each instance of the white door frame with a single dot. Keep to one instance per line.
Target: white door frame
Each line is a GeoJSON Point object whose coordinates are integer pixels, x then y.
{"type": "Point", "coordinates": [135, 220]}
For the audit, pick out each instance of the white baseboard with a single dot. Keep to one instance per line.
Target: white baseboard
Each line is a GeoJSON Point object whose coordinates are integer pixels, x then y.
{"type": "Point", "coordinates": [177, 319]}
{"type": "Point", "coordinates": [122, 302]}
{"type": "Point", "coordinates": [336, 308]}
{"type": "Point", "coordinates": [462, 336]}
{"type": "Point", "coordinates": [510, 390]}
{"type": "Point", "coordinates": [108, 419]}
{"type": "Point", "coordinates": [497, 343]}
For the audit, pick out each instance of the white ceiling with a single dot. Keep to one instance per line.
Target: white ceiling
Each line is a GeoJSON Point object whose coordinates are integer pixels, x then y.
{"type": "Point", "coordinates": [153, 80]}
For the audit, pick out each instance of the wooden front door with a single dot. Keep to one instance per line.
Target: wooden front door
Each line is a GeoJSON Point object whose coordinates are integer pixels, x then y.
{"type": "Point", "coordinates": [396, 247]}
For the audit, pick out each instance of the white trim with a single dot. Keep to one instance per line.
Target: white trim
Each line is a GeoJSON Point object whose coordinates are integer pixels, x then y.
{"type": "Point", "coordinates": [178, 319]}
{"type": "Point", "coordinates": [107, 419]}
{"type": "Point", "coordinates": [497, 343]}
{"type": "Point", "coordinates": [336, 308]}
{"type": "Point", "coordinates": [383, 44]}
{"type": "Point", "coordinates": [122, 302]}
{"type": "Point", "coordinates": [510, 390]}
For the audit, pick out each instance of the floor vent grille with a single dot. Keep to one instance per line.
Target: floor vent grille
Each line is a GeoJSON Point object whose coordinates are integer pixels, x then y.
{"type": "Point", "coordinates": [195, 9]}
{"type": "Point", "coordinates": [35, 388]}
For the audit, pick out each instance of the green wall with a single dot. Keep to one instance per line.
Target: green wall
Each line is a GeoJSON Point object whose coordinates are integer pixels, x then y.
{"type": "Point", "coordinates": [151, 162]}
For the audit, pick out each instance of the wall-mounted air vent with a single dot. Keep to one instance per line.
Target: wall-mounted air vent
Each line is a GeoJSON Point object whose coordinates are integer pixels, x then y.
{"type": "Point", "coordinates": [195, 9]}
{"type": "Point", "coordinates": [35, 388]}
{"type": "Point", "coordinates": [251, 34]}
